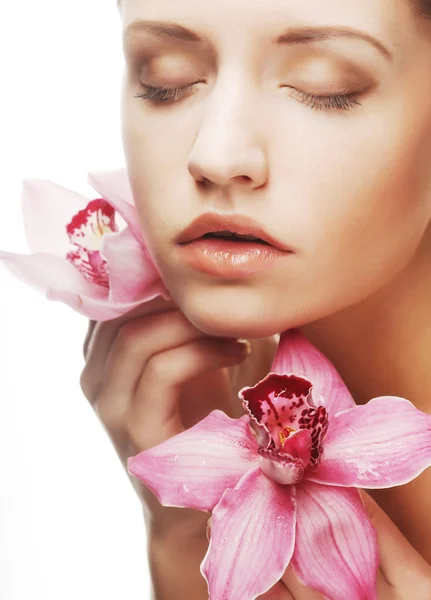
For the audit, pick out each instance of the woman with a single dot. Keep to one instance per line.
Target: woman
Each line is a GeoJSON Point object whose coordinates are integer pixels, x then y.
{"type": "Point", "coordinates": [313, 119]}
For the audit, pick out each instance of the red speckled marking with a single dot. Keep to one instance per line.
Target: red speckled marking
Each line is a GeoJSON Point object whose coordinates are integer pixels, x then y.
{"type": "Point", "coordinates": [86, 231]}
{"type": "Point", "coordinates": [280, 404]}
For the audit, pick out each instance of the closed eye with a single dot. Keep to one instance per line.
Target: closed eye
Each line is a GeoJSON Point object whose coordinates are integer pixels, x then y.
{"type": "Point", "coordinates": [161, 95]}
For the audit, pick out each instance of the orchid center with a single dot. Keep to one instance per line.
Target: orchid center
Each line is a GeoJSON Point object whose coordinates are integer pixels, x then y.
{"type": "Point", "coordinates": [86, 231]}
{"type": "Point", "coordinates": [288, 426]}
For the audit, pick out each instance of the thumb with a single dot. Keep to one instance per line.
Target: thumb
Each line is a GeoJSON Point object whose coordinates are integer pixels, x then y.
{"type": "Point", "coordinates": [400, 563]}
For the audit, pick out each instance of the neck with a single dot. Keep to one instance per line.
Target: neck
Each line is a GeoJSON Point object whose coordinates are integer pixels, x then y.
{"type": "Point", "coordinates": [382, 346]}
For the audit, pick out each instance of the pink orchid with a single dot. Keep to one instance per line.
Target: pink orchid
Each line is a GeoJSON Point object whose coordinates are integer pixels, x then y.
{"type": "Point", "coordinates": [280, 481]}
{"type": "Point", "coordinates": [79, 254]}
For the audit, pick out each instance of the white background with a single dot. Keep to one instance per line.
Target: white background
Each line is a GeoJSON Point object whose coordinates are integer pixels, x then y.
{"type": "Point", "coordinates": [70, 523]}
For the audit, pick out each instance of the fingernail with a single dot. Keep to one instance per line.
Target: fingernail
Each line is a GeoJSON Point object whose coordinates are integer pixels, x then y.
{"type": "Point", "coordinates": [240, 346]}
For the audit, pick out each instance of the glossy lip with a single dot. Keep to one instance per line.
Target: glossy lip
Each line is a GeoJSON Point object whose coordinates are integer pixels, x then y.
{"type": "Point", "coordinates": [229, 259]}
{"type": "Point", "coordinates": [236, 223]}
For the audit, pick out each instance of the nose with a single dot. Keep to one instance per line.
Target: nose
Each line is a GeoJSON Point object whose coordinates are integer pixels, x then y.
{"type": "Point", "coordinates": [227, 149]}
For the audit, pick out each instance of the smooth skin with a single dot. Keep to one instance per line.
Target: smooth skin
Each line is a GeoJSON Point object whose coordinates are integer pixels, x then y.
{"type": "Point", "coordinates": [348, 190]}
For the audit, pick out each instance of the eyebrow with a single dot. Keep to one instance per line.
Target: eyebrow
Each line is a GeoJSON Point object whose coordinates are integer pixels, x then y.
{"type": "Point", "coordinates": [295, 35]}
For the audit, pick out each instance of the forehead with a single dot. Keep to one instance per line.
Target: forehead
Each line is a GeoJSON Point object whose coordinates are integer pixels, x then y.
{"type": "Point", "coordinates": [226, 19]}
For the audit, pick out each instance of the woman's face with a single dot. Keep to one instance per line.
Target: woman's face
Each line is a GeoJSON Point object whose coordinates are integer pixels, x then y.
{"type": "Point", "coordinates": [347, 189]}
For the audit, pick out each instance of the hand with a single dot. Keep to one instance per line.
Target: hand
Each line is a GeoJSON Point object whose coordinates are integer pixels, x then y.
{"type": "Point", "coordinates": [151, 374]}
{"type": "Point", "coordinates": [403, 574]}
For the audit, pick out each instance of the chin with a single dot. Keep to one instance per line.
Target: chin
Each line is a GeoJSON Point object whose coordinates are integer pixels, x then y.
{"type": "Point", "coordinates": [233, 312]}
{"type": "Point", "coordinates": [225, 327]}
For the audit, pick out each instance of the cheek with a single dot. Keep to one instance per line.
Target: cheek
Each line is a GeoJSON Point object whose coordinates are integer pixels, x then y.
{"type": "Point", "coordinates": [146, 167]}
{"type": "Point", "coordinates": [156, 160]}
{"type": "Point", "coordinates": [371, 206]}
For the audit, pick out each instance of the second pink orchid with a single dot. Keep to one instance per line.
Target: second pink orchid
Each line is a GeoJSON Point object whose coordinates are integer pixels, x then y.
{"type": "Point", "coordinates": [281, 480]}
{"type": "Point", "coordinates": [80, 255]}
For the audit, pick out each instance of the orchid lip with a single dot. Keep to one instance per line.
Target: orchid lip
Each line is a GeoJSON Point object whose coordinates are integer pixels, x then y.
{"type": "Point", "coordinates": [86, 231]}
{"type": "Point", "coordinates": [284, 419]}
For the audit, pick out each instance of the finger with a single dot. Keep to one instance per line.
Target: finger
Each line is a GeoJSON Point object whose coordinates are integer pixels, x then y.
{"type": "Point", "coordinates": [90, 330]}
{"type": "Point", "coordinates": [101, 338]}
{"type": "Point", "coordinates": [278, 592]}
{"type": "Point", "coordinates": [400, 564]}
{"type": "Point", "coordinates": [144, 349]}
{"type": "Point", "coordinates": [154, 414]}
{"type": "Point", "coordinates": [137, 342]}
{"type": "Point", "coordinates": [299, 591]}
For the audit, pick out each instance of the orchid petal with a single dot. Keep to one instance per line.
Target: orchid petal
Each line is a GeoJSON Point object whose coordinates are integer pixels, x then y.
{"type": "Point", "coordinates": [49, 272]}
{"type": "Point", "coordinates": [384, 443]}
{"type": "Point", "coordinates": [252, 538]}
{"type": "Point", "coordinates": [296, 355]}
{"type": "Point", "coordinates": [94, 307]}
{"type": "Point", "coordinates": [59, 280]}
{"type": "Point", "coordinates": [133, 275]}
{"type": "Point", "coordinates": [194, 468]}
{"type": "Point", "coordinates": [114, 186]}
{"type": "Point", "coordinates": [336, 551]}
{"type": "Point", "coordinates": [47, 207]}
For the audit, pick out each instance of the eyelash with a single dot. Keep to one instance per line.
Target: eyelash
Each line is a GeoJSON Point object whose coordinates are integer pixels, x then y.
{"type": "Point", "coordinates": [161, 95]}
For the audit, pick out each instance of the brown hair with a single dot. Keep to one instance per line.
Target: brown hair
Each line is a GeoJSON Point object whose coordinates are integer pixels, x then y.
{"type": "Point", "coordinates": [421, 7]}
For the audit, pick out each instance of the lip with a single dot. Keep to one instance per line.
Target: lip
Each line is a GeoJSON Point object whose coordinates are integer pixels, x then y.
{"type": "Point", "coordinates": [237, 223]}
{"type": "Point", "coordinates": [228, 259]}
